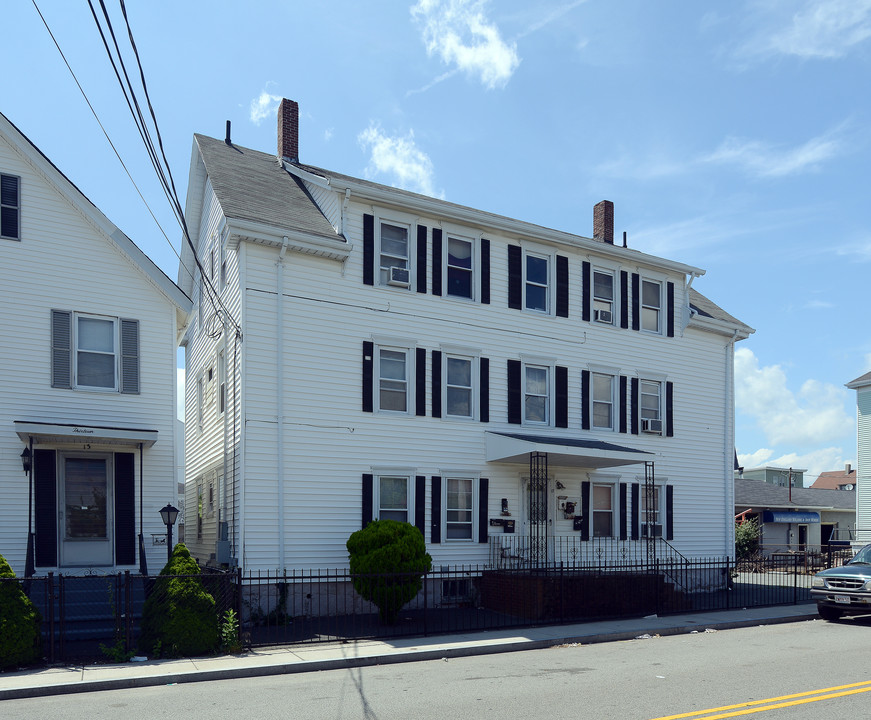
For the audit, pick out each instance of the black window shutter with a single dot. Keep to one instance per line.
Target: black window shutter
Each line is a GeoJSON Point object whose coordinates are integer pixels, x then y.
{"type": "Point", "coordinates": [624, 390]}
{"type": "Point", "coordinates": [561, 382]}
{"type": "Point", "coordinates": [484, 390]}
{"type": "Point", "coordinates": [483, 500]}
{"type": "Point", "coordinates": [586, 291]}
{"type": "Point", "coordinates": [585, 510]}
{"type": "Point", "coordinates": [515, 277]}
{"type": "Point", "coordinates": [669, 409]}
{"type": "Point", "coordinates": [420, 504]}
{"type": "Point", "coordinates": [669, 512]}
{"type": "Point", "coordinates": [436, 261]}
{"type": "Point", "coordinates": [515, 394]}
{"type": "Point", "coordinates": [669, 292]}
{"type": "Point", "coordinates": [125, 509]}
{"type": "Point", "coordinates": [9, 220]}
{"type": "Point", "coordinates": [436, 512]}
{"type": "Point", "coordinates": [485, 271]}
{"type": "Point", "coordinates": [45, 504]}
{"type": "Point", "coordinates": [367, 499]}
{"type": "Point", "coordinates": [624, 299]}
{"type": "Point", "coordinates": [585, 399]}
{"type": "Point", "coordinates": [636, 301]}
{"type": "Point", "coordinates": [636, 407]}
{"type": "Point", "coordinates": [61, 349]}
{"type": "Point", "coordinates": [420, 382]}
{"type": "Point", "coordinates": [436, 383]}
{"type": "Point", "coordinates": [368, 364]}
{"type": "Point", "coordinates": [421, 258]}
{"type": "Point", "coordinates": [130, 357]}
{"type": "Point", "coordinates": [562, 286]}
{"type": "Point", "coordinates": [636, 511]}
{"type": "Point", "coordinates": [623, 513]}
{"type": "Point", "coordinates": [368, 249]}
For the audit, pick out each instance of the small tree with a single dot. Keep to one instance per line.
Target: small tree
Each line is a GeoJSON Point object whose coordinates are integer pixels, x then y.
{"type": "Point", "coordinates": [179, 616]}
{"type": "Point", "coordinates": [387, 560]}
{"type": "Point", "coordinates": [19, 622]}
{"type": "Point", "coordinates": [746, 539]}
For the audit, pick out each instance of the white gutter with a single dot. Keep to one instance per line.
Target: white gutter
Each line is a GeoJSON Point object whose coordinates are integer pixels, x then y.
{"type": "Point", "coordinates": [279, 373]}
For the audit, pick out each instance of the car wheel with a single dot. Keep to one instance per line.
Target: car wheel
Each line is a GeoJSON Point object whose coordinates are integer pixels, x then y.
{"type": "Point", "coordinates": [828, 613]}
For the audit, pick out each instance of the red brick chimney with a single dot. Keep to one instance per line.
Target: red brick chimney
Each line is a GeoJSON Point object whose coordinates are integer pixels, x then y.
{"type": "Point", "coordinates": [603, 221]}
{"type": "Point", "coordinates": [288, 130]}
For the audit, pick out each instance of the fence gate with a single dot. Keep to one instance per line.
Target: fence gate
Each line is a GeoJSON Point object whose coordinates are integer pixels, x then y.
{"type": "Point", "coordinates": [538, 501]}
{"type": "Point", "coordinates": [651, 507]}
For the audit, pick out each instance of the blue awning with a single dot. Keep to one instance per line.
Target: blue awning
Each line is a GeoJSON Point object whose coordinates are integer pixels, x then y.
{"type": "Point", "coordinates": [770, 516]}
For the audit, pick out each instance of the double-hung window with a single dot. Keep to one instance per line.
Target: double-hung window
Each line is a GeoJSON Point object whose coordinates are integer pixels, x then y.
{"type": "Point", "coordinates": [536, 394]}
{"type": "Point", "coordinates": [651, 305]}
{"type": "Point", "coordinates": [10, 207]}
{"type": "Point", "coordinates": [651, 517]}
{"type": "Point", "coordinates": [459, 386]}
{"type": "Point", "coordinates": [460, 511]}
{"type": "Point", "coordinates": [603, 297]}
{"type": "Point", "coordinates": [393, 379]}
{"type": "Point", "coordinates": [96, 352]}
{"type": "Point", "coordinates": [603, 510]}
{"type": "Point", "coordinates": [393, 497]}
{"type": "Point", "coordinates": [459, 267]}
{"type": "Point", "coordinates": [394, 254]}
{"type": "Point", "coordinates": [603, 401]}
{"type": "Point", "coordinates": [651, 404]}
{"type": "Point", "coordinates": [536, 282]}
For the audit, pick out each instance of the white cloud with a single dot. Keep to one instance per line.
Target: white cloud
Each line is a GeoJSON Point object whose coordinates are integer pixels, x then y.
{"type": "Point", "coordinates": [461, 35]}
{"type": "Point", "coordinates": [398, 157]}
{"type": "Point", "coordinates": [766, 160]}
{"type": "Point", "coordinates": [264, 106]}
{"type": "Point", "coordinates": [819, 305]}
{"type": "Point", "coordinates": [814, 415]}
{"type": "Point", "coordinates": [179, 410]}
{"type": "Point", "coordinates": [552, 16]}
{"type": "Point", "coordinates": [328, 134]}
{"type": "Point", "coordinates": [823, 29]}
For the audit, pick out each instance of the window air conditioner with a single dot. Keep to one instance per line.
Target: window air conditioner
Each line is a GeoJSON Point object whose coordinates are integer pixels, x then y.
{"type": "Point", "coordinates": [604, 316]}
{"type": "Point", "coordinates": [654, 530]}
{"type": "Point", "coordinates": [649, 425]}
{"type": "Point", "coordinates": [398, 277]}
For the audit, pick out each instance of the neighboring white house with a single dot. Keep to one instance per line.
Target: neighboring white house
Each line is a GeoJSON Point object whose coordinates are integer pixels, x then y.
{"type": "Point", "coordinates": [363, 352]}
{"type": "Point", "coordinates": [862, 386]}
{"type": "Point", "coordinates": [88, 370]}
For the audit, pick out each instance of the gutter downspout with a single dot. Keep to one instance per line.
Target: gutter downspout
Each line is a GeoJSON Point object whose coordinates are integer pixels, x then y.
{"type": "Point", "coordinates": [279, 361]}
{"type": "Point", "coordinates": [729, 440]}
{"type": "Point", "coordinates": [29, 560]}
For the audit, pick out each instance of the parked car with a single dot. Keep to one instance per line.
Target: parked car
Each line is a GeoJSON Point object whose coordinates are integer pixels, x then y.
{"type": "Point", "coordinates": [846, 589]}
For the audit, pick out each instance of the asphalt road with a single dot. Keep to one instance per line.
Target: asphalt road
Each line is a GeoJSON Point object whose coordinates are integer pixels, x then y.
{"type": "Point", "coordinates": [799, 671]}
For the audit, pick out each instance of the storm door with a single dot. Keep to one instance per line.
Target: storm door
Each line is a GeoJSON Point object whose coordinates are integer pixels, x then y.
{"type": "Point", "coordinates": [538, 517]}
{"type": "Point", "coordinates": [86, 510]}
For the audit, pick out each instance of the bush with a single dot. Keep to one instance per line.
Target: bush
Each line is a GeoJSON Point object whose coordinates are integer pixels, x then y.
{"type": "Point", "coordinates": [179, 616]}
{"type": "Point", "coordinates": [746, 539]}
{"type": "Point", "coordinates": [19, 622]}
{"type": "Point", "coordinates": [387, 560]}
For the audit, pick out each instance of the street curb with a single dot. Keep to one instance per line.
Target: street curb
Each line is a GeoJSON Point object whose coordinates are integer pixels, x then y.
{"type": "Point", "coordinates": [370, 660]}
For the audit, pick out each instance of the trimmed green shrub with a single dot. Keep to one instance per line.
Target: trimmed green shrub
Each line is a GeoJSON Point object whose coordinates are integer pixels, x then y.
{"type": "Point", "coordinates": [179, 617]}
{"type": "Point", "coordinates": [387, 560]}
{"type": "Point", "coordinates": [746, 539]}
{"type": "Point", "coordinates": [19, 622]}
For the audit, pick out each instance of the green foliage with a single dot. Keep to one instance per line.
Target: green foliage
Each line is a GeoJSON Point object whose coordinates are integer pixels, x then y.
{"type": "Point", "coordinates": [117, 652]}
{"type": "Point", "coordinates": [387, 560]}
{"type": "Point", "coordinates": [746, 539]}
{"type": "Point", "coordinates": [179, 616]}
{"type": "Point", "coordinates": [230, 632]}
{"type": "Point", "coordinates": [19, 622]}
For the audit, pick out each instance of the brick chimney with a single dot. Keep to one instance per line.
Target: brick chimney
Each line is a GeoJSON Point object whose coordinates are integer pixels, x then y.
{"type": "Point", "coordinates": [288, 130]}
{"type": "Point", "coordinates": [603, 221]}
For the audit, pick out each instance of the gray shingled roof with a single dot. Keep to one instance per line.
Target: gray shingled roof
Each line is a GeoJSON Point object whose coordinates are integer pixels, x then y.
{"type": "Point", "coordinates": [706, 308]}
{"type": "Point", "coordinates": [253, 186]}
{"type": "Point", "coordinates": [759, 495]}
{"type": "Point", "coordinates": [861, 380]}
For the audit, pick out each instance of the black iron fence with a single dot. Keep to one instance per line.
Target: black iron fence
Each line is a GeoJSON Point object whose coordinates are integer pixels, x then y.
{"type": "Point", "coordinates": [99, 616]}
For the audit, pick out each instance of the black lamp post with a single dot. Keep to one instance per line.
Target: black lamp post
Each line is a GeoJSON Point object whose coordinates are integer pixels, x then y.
{"type": "Point", "coordinates": [168, 514]}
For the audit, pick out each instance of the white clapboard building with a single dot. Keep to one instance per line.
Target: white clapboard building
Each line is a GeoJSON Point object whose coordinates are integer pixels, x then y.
{"type": "Point", "coordinates": [519, 393]}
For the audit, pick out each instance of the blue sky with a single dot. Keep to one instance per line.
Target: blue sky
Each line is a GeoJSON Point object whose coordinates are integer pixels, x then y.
{"type": "Point", "coordinates": [733, 136]}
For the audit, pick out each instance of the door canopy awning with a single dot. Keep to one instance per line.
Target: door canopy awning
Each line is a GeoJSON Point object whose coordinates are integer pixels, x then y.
{"type": "Point", "coordinates": [566, 452]}
{"type": "Point", "coordinates": [88, 434]}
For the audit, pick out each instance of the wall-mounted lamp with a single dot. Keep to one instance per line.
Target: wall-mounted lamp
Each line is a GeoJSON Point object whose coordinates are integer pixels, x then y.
{"type": "Point", "coordinates": [26, 460]}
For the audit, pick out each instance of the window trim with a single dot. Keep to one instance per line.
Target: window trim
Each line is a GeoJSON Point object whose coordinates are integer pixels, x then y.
{"type": "Point", "coordinates": [407, 351]}
{"type": "Point", "coordinates": [613, 402]}
{"type": "Point", "coordinates": [549, 256]}
{"type": "Point", "coordinates": [407, 223]}
{"type": "Point", "coordinates": [17, 207]}
{"type": "Point", "coordinates": [549, 393]}
{"type": "Point", "coordinates": [475, 481]}
{"type": "Point", "coordinates": [397, 473]}
{"type": "Point", "coordinates": [474, 372]}
{"type": "Point", "coordinates": [473, 241]}
{"type": "Point", "coordinates": [116, 352]}
{"type": "Point", "coordinates": [643, 306]}
{"type": "Point", "coordinates": [614, 309]}
{"type": "Point", "coordinates": [612, 485]}
{"type": "Point", "coordinates": [221, 387]}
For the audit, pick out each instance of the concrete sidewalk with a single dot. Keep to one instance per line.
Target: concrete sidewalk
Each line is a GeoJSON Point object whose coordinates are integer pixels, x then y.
{"type": "Point", "coordinates": [330, 656]}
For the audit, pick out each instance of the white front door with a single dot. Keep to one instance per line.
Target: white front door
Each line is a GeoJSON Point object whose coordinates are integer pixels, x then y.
{"type": "Point", "coordinates": [86, 512]}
